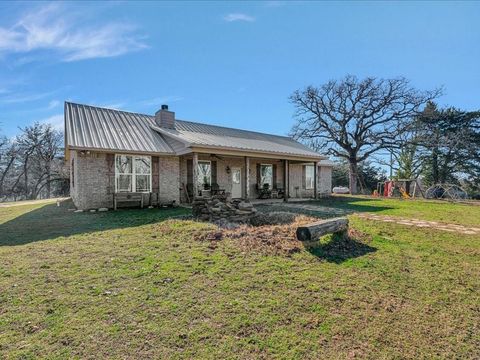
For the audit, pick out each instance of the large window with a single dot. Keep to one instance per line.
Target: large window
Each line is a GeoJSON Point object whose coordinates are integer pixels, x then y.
{"type": "Point", "coordinates": [133, 173]}
{"type": "Point", "coordinates": [266, 175]}
{"type": "Point", "coordinates": [309, 177]}
{"type": "Point", "coordinates": [204, 178]}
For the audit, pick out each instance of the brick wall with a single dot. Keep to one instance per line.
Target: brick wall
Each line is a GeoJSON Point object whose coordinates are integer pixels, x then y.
{"type": "Point", "coordinates": [89, 182]}
{"type": "Point", "coordinates": [169, 179]}
{"type": "Point", "coordinates": [92, 180]}
{"type": "Point", "coordinates": [224, 180]}
{"type": "Point", "coordinates": [297, 183]}
{"type": "Point", "coordinates": [253, 174]}
{"type": "Point", "coordinates": [325, 180]}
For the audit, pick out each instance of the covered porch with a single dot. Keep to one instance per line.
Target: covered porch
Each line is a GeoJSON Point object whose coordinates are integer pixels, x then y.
{"type": "Point", "coordinates": [256, 178]}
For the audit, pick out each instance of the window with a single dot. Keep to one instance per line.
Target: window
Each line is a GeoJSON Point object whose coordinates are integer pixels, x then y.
{"type": "Point", "coordinates": [133, 173]}
{"type": "Point", "coordinates": [236, 174]}
{"type": "Point", "coordinates": [266, 175]}
{"type": "Point", "coordinates": [204, 178]}
{"type": "Point", "coordinates": [309, 177]}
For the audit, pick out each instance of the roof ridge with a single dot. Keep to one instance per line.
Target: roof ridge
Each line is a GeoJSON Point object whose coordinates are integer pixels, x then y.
{"type": "Point", "coordinates": [107, 108]}
{"type": "Point", "coordinates": [231, 128]}
{"type": "Point", "coordinates": [187, 121]}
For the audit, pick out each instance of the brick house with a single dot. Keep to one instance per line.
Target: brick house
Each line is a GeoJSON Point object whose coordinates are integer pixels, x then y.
{"type": "Point", "coordinates": [166, 159]}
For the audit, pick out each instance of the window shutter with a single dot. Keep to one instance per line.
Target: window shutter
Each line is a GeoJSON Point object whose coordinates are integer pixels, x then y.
{"type": "Point", "coordinates": [258, 176]}
{"type": "Point", "coordinates": [214, 172]}
{"type": "Point", "coordinates": [304, 177]}
{"type": "Point", "coordinates": [274, 176]}
{"type": "Point", "coordinates": [155, 174]}
{"type": "Point", "coordinates": [110, 158]}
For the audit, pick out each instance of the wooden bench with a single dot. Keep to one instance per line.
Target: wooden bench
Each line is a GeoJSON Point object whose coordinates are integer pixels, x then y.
{"type": "Point", "coordinates": [313, 231]}
{"type": "Point", "coordinates": [127, 197]}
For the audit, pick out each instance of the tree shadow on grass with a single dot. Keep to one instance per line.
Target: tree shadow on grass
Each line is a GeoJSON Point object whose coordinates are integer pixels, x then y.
{"type": "Point", "coordinates": [350, 204]}
{"type": "Point", "coordinates": [50, 221]}
{"type": "Point", "coordinates": [339, 248]}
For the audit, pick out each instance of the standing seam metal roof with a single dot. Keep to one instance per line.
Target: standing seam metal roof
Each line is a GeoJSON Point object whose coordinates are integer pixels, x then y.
{"type": "Point", "coordinates": [99, 128]}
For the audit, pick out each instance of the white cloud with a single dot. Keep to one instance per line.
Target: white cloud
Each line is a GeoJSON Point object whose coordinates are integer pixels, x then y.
{"type": "Point", "coordinates": [21, 98]}
{"type": "Point", "coordinates": [56, 121]}
{"type": "Point", "coordinates": [161, 100]}
{"type": "Point", "coordinates": [53, 104]}
{"type": "Point", "coordinates": [51, 27]}
{"type": "Point", "coordinates": [238, 17]}
{"type": "Point", "coordinates": [115, 106]}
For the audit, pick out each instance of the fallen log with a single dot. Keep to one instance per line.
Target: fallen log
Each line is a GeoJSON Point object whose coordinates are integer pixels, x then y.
{"type": "Point", "coordinates": [316, 230]}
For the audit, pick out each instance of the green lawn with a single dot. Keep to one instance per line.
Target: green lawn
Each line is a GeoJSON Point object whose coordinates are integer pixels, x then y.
{"type": "Point", "coordinates": [135, 284]}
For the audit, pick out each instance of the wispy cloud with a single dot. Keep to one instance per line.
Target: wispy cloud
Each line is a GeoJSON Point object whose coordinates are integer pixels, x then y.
{"type": "Point", "coordinates": [160, 100]}
{"type": "Point", "coordinates": [238, 17]}
{"type": "Point", "coordinates": [56, 121]}
{"type": "Point", "coordinates": [116, 106]}
{"type": "Point", "coordinates": [53, 104]}
{"type": "Point", "coordinates": [51, 27]}
{"type": "Point", "coordinates": [22, 98]}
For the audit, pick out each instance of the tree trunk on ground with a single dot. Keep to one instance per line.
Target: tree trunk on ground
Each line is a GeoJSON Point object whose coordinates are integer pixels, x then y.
{"type": "Point", "coordinates": [316, 230]}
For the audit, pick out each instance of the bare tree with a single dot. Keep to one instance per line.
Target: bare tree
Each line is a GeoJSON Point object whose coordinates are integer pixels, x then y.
{"type": "Point", "coordinates": [353, 119]}
{"type": "Point", "coordinates": [8, 157]}
{"type": "Point", "coordinates": [33, 164]}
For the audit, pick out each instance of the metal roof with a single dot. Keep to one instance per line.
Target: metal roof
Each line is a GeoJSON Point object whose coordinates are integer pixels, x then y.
{"type": "Point", "coordinates": [203, 135]}
{"type": "Point", "coordinates": [94, 127]}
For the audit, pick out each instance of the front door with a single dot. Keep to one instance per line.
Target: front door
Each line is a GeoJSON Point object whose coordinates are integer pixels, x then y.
{"type": "Point", "coordinates": [236, 183]}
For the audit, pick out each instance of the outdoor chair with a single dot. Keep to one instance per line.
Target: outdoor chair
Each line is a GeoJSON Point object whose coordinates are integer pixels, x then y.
{"type": "Point", "coordinates": [264, 192]}
{"type": "Point", "coordinates": [215, 190]}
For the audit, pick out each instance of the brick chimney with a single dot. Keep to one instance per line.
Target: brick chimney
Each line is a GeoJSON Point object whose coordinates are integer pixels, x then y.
{"type": "Point", "coordinates": [165, 118]}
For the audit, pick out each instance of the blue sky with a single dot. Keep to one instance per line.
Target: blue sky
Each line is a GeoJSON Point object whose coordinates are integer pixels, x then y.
{"type": "Point", "coordinates": [232, 64]}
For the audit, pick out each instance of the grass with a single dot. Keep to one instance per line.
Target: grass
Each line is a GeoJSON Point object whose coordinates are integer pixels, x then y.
{"type": "Point", "coordinates": [133, 284]}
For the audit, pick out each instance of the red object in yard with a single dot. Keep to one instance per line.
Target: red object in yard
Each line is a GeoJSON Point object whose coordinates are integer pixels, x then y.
{"type": "Point", "coordinates": [387, 189]}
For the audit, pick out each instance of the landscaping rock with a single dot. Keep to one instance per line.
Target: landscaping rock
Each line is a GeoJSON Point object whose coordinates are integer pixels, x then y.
{"type": "Point", "coordinates": [245, 205]}
{"type": "Point", "coordinates": [103, 209]}
{"type": "Point", "coordinates": [223, 211]}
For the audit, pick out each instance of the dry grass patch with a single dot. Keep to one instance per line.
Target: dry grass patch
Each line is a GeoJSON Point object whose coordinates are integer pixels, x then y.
{"type": "Point", "coordinates": [275, 234]}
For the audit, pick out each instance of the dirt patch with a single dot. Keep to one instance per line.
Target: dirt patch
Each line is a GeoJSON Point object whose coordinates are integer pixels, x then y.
{"type": "Point", "coordinates": [273, 218]}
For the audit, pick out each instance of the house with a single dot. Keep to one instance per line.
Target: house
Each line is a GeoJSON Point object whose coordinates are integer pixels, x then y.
{"type": "Point", "coordinates": [166, 159]}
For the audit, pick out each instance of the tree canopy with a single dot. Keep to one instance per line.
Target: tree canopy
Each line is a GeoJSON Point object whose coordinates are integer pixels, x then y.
{"type": "Point", "coordinates": [353, 119]}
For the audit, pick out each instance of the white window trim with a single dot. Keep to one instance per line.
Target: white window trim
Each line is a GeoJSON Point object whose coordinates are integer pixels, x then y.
{"type": "Point", "coordinates": [133, 174]}
{"type": "Point", "coordinates": [271, 165]}
{"type": "Point", "coordinates": [198, 172]}
{"type": "Point", "coordinates": [307, 186]}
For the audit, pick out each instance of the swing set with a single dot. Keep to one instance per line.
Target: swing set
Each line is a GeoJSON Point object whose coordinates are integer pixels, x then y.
{"type": "Point", "coordinates": [403, 188]}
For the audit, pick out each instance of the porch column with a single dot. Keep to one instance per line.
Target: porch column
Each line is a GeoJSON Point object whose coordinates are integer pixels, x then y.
{"type": "Point", "coordinates": [315, 181]}
{"type": "Point", "coordinates": [247, 177]}
{"type": "Point", "coordinates": [286, 182]}
{"type": "Point", "coordinates": [195, 174]}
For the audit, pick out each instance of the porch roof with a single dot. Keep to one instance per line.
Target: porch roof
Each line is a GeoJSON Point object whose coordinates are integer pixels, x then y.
{"type": "Point", "coordinates": [196, 135]}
